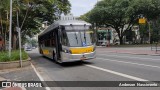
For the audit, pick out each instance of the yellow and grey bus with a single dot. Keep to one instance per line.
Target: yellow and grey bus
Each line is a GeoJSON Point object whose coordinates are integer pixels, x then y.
{"type": "Point", "coordinates": [68, 41]}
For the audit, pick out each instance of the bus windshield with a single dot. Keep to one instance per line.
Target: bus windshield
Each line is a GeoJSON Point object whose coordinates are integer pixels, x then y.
{"type": "Point", "coordinates": [80, 38]}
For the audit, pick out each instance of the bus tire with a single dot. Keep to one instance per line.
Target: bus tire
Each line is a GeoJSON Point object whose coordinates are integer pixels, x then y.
{"type": "Point", "coordinates": [54, 57]}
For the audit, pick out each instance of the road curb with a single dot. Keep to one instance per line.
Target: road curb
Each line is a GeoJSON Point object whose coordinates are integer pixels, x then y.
{"type": "Point", "coordinates": [146, 54]}
{"type": "Point", "coordinates": [139, 54]}
{"type": "Point", "coordinates": [14, 64]}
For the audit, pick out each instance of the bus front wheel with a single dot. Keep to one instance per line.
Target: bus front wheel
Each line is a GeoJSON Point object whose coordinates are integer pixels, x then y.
{"type": "Point", "coordinates": [55, 58]}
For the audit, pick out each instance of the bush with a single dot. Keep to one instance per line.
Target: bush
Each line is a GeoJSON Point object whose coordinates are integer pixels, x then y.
{"type": "Point", "coordinates": [14, 56]}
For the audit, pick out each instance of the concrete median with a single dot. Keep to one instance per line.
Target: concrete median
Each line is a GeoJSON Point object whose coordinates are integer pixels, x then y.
{"type": "Point", "coordinates": [14, 64]}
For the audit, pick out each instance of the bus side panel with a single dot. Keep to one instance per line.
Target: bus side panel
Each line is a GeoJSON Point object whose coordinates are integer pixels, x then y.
{"type": "Point", "coordinates": [48, 52]}
{"type": "Point", "coordinates": [47, 44]}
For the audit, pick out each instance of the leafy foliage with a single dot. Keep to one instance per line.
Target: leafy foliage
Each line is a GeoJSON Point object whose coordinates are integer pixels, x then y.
{"type": "Point", "coordinates": [114, 13]}
{"type": "Point", "coordinates": [31, 13]}
{"type": "Point", "coordinates": [14, 57]}
{"type": "Point", "coordinates": [122, 14]}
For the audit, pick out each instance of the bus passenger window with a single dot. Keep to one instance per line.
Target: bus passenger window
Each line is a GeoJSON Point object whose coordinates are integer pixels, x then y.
{"type": "Point", "coordinates": [41, 43]}
{"type": "Point", "coordinates": [47, 43]}
{"type": "Point", "coordinates": [52, 42]}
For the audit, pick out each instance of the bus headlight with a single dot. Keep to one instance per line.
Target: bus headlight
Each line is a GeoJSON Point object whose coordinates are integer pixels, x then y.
{"type": "Point", "coordinates": [67, 51]}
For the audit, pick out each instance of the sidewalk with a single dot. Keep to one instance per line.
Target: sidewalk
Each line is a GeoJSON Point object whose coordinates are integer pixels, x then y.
{"type": "Point", "coordinates": [130, 50]}
{"type": "Point", "coordinates": [19, 74]}
{"type": "Point", "coordinates": [14, 88]}
{"type": "Point", "coordinates": [10, 88]}
{"type": "Point", "coordinates": [2, 79]}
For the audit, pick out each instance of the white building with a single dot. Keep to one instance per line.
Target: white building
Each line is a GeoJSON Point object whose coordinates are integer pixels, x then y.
{"type": "Point", "coordinates": [103, 33]}
{"type": "Point", "coordinates": [68, 17]}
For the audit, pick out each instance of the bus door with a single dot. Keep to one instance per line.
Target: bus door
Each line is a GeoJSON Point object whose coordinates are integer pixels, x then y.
{"type": "Point", "coordinates": [58, 45]}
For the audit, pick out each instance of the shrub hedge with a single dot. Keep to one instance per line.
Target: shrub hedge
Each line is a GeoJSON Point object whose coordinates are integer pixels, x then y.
{"type": "Point", "coordinates": [14, 56]}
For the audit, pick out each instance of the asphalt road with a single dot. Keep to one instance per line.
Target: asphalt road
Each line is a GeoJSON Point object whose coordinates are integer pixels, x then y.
{"type": "Point", "coordinates": [106, 67]}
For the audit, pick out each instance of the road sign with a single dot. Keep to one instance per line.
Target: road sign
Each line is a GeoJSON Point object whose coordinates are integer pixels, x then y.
{"type": "Point", "coordinates": [142, 21]}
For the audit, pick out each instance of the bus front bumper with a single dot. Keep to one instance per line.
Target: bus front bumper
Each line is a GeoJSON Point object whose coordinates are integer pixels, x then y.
{"type": "Point", "coordinates": [66, 57]}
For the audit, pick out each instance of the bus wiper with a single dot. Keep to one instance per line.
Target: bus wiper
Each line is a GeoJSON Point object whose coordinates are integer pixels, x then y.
{"type": "Point", "coordinates": [74, 33]}
{"type": "Point", "coordinates": [76, 37]}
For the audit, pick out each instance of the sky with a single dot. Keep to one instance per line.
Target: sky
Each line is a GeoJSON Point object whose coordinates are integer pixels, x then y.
{"type": "Point", "coordinates": [80, 7]}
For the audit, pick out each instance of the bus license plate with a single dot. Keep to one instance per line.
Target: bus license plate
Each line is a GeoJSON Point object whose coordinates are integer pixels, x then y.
{"type": "Point", "coordinates": [83, 58]}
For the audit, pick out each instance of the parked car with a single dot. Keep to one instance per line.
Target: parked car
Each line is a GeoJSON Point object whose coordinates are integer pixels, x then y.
{"type": "Point", "coordinates": [33, 47]}
{"type": "Point", "coordinates": [28, 48]}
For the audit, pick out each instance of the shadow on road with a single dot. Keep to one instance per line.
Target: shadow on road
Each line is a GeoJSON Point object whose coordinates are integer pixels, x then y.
{"type": "Point", "coordinates": [68, 64]}
{"type": "Point", "coordinates": [38, 59]}
{"type": "Point", "coordinates": [73, 64]}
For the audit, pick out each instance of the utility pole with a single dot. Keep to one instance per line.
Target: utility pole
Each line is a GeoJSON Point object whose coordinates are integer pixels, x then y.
{"type": "Point", "coordinates": [10, 29]}
{"type": "Point", "coordinates": [19, 36]}
{"type": "Point", "coordinates": [20, 54]}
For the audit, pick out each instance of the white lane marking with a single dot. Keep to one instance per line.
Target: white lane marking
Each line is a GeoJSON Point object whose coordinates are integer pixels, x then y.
{"type": "Point", "coordinates": [132, 57]}
{"type": "Point", "coordinates": [129, 63]}
{"type": "Point", "coordinates": [40, 77]}
{"type": "Point", "coordinates": [117, 73]}
{"type": "Point", "coordinates": [23, 88]}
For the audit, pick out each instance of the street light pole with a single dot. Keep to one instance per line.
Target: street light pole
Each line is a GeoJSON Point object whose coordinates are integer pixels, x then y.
{"type": "Point", "coordinates": [10, 29]}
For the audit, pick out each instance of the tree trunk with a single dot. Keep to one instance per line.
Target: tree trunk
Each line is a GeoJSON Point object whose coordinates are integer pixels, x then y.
{"type": "Point", "coordinates": [4, 40]}
{"type": "Point", "coordinates": [5, 33]}
{"type": "Point", "coordinates": [120, 36]}
{"type": "Point", "coordinates": [142, 39]}
{"type": "Point", "coordinates": [1, 31]}
{"type": "Point", "coordinates": [14, 39]}
{"type": "Point", "coordinates": [121, 40]}
{"type": "Point", "coordinates": [17, 43]}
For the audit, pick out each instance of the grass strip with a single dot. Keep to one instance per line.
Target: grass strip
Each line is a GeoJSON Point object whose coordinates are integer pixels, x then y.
{"type": "Point", "coordinates": [4, 56]}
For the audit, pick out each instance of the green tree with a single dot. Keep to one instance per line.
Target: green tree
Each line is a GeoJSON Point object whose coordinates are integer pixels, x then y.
{"type": "Point", "coordinates": [32, 42]}
{"type": "Point", "coordinates": [114, 13]}
{"type": "Point", "coordinates": [149, 9]}
{"type": "Point", "coordinates": [31, 13]}
{"type": "Point", "coordinates": [4, 22]}
{"type": "Point", "coordinates": [144, 33]}
{"type": "Point", "coordinates": [123, 14]}
{"type": "Point", "coordinates": [155, 31]}
{"type": "Point", "coordinates": [85, 17]}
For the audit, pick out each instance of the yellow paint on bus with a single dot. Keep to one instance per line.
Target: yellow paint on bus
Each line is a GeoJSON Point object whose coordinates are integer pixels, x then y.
{"type": "Point", "coordinates": [82, 50]}
{"type": "Point", "coordinates": [45, 52]}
